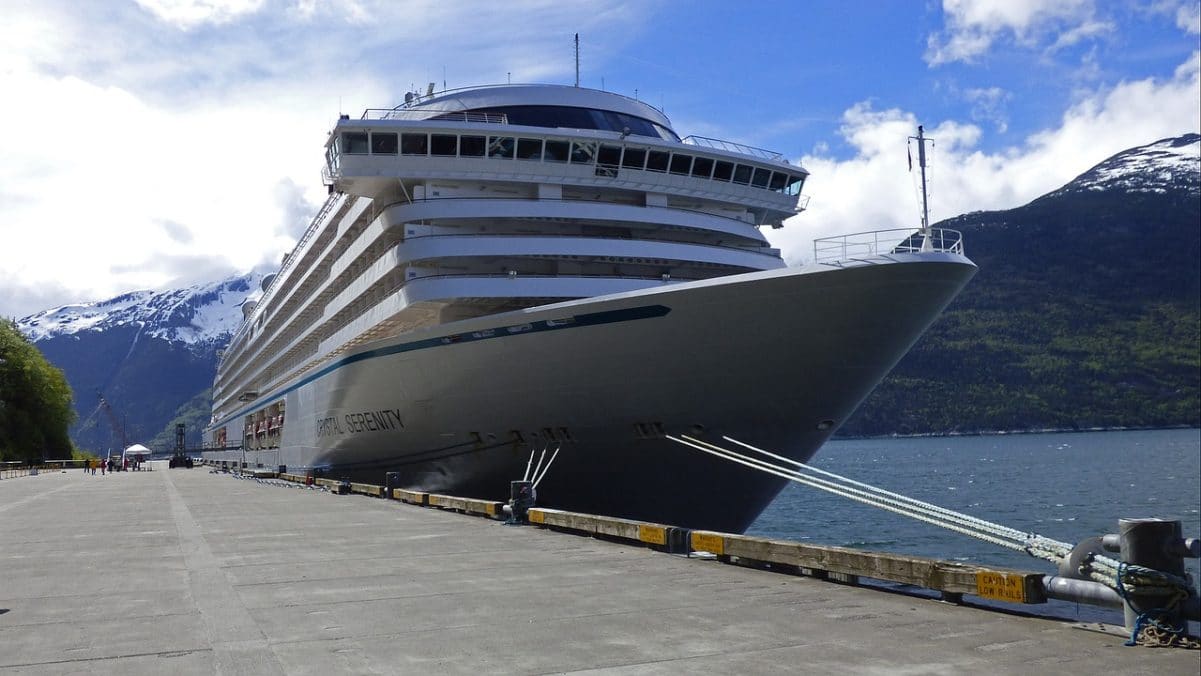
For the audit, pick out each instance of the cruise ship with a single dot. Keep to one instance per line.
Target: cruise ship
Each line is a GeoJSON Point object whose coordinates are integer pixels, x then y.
{"type": "Point", "coordinates": [507, 271]}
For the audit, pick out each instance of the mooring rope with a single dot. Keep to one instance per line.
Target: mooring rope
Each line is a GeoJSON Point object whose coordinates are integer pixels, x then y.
{"type": "Point", "coordinates": [1120, 576]}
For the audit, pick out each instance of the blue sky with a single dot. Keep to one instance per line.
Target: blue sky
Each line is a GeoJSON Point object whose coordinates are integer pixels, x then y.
{"type": "Point", "coordinates": [154, 143]}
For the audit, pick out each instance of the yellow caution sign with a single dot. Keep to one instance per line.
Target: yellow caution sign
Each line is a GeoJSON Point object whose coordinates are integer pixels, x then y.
{"type": "Point", "coordinates": [991, 584]}
{"type": "Point", "coordinates": [708, 542]}
{"type": "Point", "coordinates": [655, 535]}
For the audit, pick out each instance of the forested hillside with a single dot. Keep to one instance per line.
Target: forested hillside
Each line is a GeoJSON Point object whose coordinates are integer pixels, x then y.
{"type": "Point", "coordinates": [35, 402]}
{"type": "Point", "coordinates": [1085, 312]}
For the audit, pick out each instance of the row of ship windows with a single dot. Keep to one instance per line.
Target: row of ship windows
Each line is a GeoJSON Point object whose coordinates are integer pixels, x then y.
{"type": "Point", "coordinates": [605, 156]}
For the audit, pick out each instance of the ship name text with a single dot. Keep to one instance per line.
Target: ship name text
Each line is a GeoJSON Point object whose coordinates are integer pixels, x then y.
{"type": "Point", "coordinates": [362, 421]}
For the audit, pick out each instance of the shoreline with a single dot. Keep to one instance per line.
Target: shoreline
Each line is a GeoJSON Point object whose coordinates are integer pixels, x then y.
{"type": "Point", "coordinates": [996, 433]}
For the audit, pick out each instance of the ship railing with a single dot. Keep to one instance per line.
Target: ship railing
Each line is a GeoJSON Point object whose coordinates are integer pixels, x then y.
{"type": "Point", "coordinates": [513, 274]}
{"type": "Point", "coordinates": [859, 245]}
{"type": "Point", "coordinates": [316, 224]}
{"type": "Point", "coordinates": [803, 200]}
{"type": "Point", "coordinates": [434, 115]}
{"type": "Point", "coordinates": [718, 144]}
{"type": "Point", "coordinates": [761, 250]}
{"type": "Point", "coordinates": [419, 99]}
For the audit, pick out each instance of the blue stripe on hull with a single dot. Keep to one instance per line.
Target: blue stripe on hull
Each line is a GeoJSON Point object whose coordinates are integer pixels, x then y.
{"type": "Point", "coordinates": [540, 326]}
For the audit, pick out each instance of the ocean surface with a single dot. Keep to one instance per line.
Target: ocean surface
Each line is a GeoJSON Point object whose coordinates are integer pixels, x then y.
{"type": "Point", "coordinates": [1065, 486]}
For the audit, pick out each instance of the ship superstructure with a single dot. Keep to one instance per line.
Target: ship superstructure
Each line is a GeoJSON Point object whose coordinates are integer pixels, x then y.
{"type": "Point", "coordinates": [499, 268]}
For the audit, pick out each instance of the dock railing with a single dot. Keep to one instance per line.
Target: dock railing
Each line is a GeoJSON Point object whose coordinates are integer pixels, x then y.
{"type": "Point", "coordinates": [12, 469]}
{"type": "Point", "coordinates": [862, 245]}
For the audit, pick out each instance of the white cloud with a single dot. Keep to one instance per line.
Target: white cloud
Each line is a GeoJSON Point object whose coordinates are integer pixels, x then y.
{"type": "Point", "coordinates": [138, 152]}
{"type": "Point", "coordinates": [1188, 18]}
{"type": "Point", "coordinates": [1079, 33]}
{"type": "Point", "coordinates": [874, 191]}
{"type": "Point", "coordinates": [988, 105]}
{"type": "Point", "coordinates": [187, 14]}
{"type": "Point", "coordinates": [133, 148]}
{"type": "Point", "coordinates": [973, 26]}
{"type": "Point", "coordinates": [105, 170]}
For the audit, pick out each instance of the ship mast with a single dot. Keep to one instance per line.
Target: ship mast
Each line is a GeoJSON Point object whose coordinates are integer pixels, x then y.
{"type": "Point", "coordinates": [577, 59]}
{"type": "Point", "coordinates": [921, 162]}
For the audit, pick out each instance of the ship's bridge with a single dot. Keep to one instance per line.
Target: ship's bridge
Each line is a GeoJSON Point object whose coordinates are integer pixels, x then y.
{"type": "Point", "coordinates": [546, 106]}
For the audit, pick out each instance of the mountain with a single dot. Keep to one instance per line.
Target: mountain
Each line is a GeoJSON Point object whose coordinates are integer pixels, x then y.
{"type": "Point", "coordinates": [1085, 311]}
{"type": "Point", "coordinates": [150, 355]}
{"type": "Point", "coordinates": [1084, 314]}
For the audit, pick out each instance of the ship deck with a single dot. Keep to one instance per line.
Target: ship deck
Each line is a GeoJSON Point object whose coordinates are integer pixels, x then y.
{"type": "Point", "coordinates": [194, 572]}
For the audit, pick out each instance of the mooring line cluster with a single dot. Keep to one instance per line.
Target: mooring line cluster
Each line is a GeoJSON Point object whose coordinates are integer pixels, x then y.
{"type": "Point", "coordinates": [539, 471]}
{"type": "Point", "coordinates": [1100, 568]}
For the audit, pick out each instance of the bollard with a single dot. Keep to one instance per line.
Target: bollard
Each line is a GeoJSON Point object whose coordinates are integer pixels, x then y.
{"type": "Point", "coordinates": [522, 497]}
{"type": "Point", "coordinates": [1151, 543]}
{"type": "Point", "coordinates": [679, 541]}
{"type": "Point", "coordinates": [391, 481]}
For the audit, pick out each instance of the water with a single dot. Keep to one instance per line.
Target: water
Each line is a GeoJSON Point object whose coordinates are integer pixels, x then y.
{"type": "Point", "coordinates": [1064, 486]}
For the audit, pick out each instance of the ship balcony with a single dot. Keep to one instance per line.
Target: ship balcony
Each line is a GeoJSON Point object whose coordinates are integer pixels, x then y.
{"type": "Point", "coordinates": [503, 256]}
{"type": "Point", "coordinates": [583, 248]}
{"type": "Point", "coordinates": [451, 208]}
{"type": "Point", "coordinates": [437, 290]}
{"type": "Point", "coordinates": [862, 247]}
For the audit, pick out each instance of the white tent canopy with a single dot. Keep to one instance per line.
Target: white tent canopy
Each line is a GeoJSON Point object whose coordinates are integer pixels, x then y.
{"type": "Point", "coordinates": [136, 449]}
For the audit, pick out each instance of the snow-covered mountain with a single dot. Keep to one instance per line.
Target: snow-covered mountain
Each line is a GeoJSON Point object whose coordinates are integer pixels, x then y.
{"type": "Point", "coordinates": [196, 314]}
{"type": "Point", "coordinates": [1167, 164]}
{"type": "Point", "coordinates": [153, 355]}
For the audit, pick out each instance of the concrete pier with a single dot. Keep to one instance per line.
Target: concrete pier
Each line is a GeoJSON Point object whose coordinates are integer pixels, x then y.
{"type": "Point", "coordinates": [189, 572]}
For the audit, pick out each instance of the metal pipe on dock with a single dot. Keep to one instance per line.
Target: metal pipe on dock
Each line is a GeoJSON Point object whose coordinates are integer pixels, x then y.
{"type": "Point", "coordinates": [1081, 591]}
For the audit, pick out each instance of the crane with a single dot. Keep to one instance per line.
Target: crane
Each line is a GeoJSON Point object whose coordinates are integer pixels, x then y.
{"type": "Point", "coordinates": [118, 429]}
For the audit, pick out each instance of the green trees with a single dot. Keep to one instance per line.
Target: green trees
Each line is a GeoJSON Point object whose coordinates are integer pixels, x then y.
{"type": "Point", "coordinates": [35, 401]}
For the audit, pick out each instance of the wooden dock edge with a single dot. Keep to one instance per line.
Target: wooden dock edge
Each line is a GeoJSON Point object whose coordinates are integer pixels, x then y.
{"type": "Point", "coordinates": [842, 564]}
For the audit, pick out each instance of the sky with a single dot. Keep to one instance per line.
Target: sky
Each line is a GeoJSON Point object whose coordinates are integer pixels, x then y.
{"type": "Point", "coordinates": [154, 144]}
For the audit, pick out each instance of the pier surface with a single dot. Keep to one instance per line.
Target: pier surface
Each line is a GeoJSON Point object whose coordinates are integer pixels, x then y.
{"type": "Point", "coordinates": [190, 572]}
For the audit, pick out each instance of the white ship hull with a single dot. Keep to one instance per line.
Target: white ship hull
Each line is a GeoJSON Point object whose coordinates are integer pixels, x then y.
{"type": "Point", "coordinates": [778, 359]}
